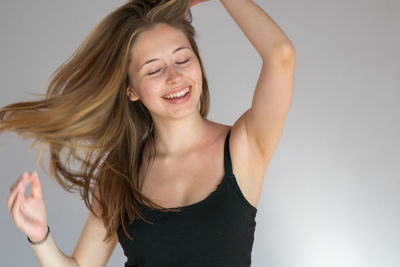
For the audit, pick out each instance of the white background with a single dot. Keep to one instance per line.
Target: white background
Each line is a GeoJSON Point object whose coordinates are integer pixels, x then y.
{"type": "Point", "coordinates": [331, 193]}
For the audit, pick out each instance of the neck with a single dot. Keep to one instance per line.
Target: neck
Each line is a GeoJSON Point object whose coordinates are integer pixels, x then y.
{"type": "Point", "coordinates": [176, 137]}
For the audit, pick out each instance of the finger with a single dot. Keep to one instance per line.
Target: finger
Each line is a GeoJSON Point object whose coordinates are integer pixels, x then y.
{"type": "Point", "coordinates": [11, 199]}
{"type": "Point", "coordinates": [20, 220]}
{"type": "Point", "coordinates": [18, 180]}
{"type": "Point", "coordinates": [15, 211]}
{"type": "Point", "coordinates": [36, 186]}
{"type": "Point", "coordinates": [24, 222]}
{"type": "Point", "coordinates": [18, 188]}
{"type": "Point", "coordinates": [26, 180]}
{"type": "Point", "coordinates": [26, 206]}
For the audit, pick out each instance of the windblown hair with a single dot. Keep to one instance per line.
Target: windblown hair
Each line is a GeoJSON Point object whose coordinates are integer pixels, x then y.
{"type": "Point", "coordinates": [86, 120]}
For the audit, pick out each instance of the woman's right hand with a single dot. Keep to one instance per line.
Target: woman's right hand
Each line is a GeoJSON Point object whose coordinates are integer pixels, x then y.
{"type": "Point", "coordinates": [28, 212]}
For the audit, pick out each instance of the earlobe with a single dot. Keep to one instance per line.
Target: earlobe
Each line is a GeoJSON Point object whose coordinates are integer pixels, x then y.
{"type": "Point", "coordinates": [131, 94]}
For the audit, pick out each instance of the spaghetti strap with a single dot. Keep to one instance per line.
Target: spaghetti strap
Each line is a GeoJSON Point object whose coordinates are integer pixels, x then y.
{"type": "Point", "coordinates": [222, 226]}
{"type": "Point", "coordinates": [227, 156]}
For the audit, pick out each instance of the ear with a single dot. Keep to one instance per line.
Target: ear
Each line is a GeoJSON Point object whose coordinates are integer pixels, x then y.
{"type": "Point", "coordinates": [131, 94]}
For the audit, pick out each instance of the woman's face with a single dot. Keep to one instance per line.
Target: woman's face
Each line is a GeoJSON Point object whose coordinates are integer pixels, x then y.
{"type": "Point", "coordinates": [162, 62]}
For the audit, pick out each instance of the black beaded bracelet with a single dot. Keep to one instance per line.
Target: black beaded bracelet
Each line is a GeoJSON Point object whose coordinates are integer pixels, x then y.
{"type": "Point", "coordinates": [41, 241]}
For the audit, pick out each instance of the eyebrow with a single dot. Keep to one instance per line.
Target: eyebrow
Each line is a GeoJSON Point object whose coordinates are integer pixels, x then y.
{"type": "Point", "coordinates": [154, 59]}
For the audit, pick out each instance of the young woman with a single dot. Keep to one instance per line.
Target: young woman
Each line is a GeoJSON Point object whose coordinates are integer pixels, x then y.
{"type": "Point", "coordinates": [130, 106]}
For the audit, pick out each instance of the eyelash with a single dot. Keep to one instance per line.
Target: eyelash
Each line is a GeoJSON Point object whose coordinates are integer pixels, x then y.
{"type": "Point", "coordinates": [154, 72]}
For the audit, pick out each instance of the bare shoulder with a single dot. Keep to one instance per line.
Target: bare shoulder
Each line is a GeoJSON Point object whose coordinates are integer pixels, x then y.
{"type": "Point", "coordinates": [248, 164]}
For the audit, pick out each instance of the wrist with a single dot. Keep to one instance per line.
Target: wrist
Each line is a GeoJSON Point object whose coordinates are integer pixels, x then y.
{"type": "Point", "coordinates": [39, 241]}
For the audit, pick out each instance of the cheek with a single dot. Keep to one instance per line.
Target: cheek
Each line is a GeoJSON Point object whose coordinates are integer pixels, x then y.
{"type": "Point", "coordinates": [195, 72]}
{"type": "Point", "coordinates": [147, 86]}
{"type": "Point", "coordinates": [150, 89]}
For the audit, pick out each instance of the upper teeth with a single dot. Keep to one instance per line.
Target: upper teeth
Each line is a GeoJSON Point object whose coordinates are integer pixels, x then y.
{"type": "Point", "coordinates": [181, 93]}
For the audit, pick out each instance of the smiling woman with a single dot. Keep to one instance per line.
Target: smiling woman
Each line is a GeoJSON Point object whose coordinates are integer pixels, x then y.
{"type": "Point", "coordinates": [87, 96]}
{"type": "Point", "coordinates": [173, 68]}
{"type": "Point", "coordinates": [130, 107]}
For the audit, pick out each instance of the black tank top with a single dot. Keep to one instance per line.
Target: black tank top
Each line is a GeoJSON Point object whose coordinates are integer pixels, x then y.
{"type": "Point", "coordinates": [215, 232]}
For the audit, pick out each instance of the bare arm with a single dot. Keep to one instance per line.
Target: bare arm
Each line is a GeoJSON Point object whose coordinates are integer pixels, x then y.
{"type": "Point", "coordinates": [49, 254]}
{"type": "Point", "coordinates": [91, 250]}
{"type": "Point", "coordinates": [259, 28]}
{"type": "Point", "coordinates": [30, 216]}
{"type": "Point", "coordinates": [272, 98]}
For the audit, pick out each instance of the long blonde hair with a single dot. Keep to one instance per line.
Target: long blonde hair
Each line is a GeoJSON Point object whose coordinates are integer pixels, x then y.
{"type": "Point", "coordinates": [87, 120]}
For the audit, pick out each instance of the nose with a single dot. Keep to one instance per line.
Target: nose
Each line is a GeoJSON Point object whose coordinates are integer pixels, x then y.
{"type": "Point", "coordinates": [173, 74]}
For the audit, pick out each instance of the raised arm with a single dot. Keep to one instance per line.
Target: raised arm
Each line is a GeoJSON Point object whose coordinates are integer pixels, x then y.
{"type": "Point", "coordinates": [273, 93]}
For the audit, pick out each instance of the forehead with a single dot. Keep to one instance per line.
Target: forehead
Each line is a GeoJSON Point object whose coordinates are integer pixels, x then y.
{"type": "Point", "coordinates": [159, 41]}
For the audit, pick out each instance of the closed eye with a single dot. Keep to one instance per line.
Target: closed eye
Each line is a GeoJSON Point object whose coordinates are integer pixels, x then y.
{"type": "Point", "coordinates": [180, 63]}
{"type": "Point", "coordinates": [183, 62]}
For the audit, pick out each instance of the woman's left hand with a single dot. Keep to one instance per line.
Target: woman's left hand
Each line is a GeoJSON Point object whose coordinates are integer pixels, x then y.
{"type": "Point", "coordinates": [195, 2]}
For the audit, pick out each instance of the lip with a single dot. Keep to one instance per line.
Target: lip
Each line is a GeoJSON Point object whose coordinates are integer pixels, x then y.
{"type": "Point", "coordinates": [180, 101]}
{"type": "Point", "coordinates": [178, 90]}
